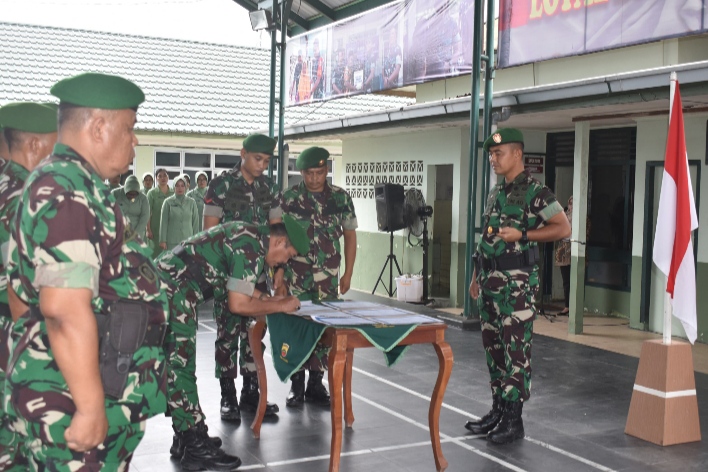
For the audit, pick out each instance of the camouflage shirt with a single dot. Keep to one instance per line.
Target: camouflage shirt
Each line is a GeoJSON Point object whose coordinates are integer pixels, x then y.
{"type": "Point", "coordinates": [71, 234]}
{"type": "Point", "coordinates": [11, 181]}
{"type": "Point", "coordinates": [231, 198]}
{"type": "Point", "coordinates": [329, 213]}
{"type": "Point", "coordinates": [230, 256]}
{"type": "Point", "coordinates": [522, 204]}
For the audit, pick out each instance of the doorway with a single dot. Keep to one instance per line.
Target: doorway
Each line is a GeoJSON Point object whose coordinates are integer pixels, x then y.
{"type": "Point", "coordinates": [653, 281]}
{"type": "Point", "coordinates": [442, 231]}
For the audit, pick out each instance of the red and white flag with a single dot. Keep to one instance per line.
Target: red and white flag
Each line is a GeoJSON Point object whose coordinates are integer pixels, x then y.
{"type": "Point", "coordinates": [673, 248]}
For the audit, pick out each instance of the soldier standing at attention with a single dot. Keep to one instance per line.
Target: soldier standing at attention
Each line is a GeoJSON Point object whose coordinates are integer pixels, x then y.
{"type": "Point", "coordinates": [85, 275]}
{"type": "Point", "coordinates": [243, 194]}
{"type": "Point", "coordinates": [520, 212]}
{"type": "Point", "coordinates": [224, 263]}
{"type": "Point", "coordinates": [134, 205]}
{"type": "Point", "coordinates": [314, 276]}
{"type": "Point", "coordinates": [31, 129]}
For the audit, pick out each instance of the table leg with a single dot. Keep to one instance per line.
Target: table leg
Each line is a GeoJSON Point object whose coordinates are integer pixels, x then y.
{"type": "Point", "coordinates": [255, 335]}
{"type": "Point", "coordinates": [337, 359]}
{"type": "Point", "coordinates": [348, 411]}
{"type": "Point", "coordinates": [445, 369]}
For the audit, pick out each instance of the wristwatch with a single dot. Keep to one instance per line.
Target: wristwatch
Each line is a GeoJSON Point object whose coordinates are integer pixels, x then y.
{"type": "Point", "coordinates": [524, 237]}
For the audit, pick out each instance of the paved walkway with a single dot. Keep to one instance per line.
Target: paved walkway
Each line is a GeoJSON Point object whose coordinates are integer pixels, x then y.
{"type": "Point", "coordinates": [574, 421]}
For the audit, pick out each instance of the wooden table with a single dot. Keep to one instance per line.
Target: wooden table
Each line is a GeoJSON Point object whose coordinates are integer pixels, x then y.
{"type": "Point", "coordinates": [343, 341]}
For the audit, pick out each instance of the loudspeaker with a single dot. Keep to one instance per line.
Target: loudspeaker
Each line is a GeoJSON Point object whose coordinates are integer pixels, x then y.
{"type": "Point", "coordinates": [389, 206]}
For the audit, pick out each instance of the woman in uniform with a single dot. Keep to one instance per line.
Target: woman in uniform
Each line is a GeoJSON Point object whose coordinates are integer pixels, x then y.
{"type": "Point", "coordinates": [179, 219]}
{"type": "Point", "coordinates": [156, 197]}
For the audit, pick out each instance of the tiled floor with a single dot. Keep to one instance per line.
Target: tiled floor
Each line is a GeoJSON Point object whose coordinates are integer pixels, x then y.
{"type": "Point", "coordinates": [574, 421]}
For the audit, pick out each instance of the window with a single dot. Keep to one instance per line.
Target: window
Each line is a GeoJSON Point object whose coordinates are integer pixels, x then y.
{"type": "Point", "coordinates": [183, 161]}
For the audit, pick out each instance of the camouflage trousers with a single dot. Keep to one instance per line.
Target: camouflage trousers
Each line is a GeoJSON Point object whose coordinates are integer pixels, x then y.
{"type": "Point", "coordinates": [232, 330]}
{"type": "Point", "coordinates": [507, 310]}
{"type": "Point", "coordinates": [113, 454]}
{"type": "Point", "coordinates": [180, 350]}
{"type": "Point", "coordinates": [12, 457]}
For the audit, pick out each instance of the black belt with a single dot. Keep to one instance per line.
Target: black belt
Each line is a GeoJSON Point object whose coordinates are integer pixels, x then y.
{"type": "Point", "coordinates": [154, 334]}
{"type": "Point", "coordinates": [504, 262]}
{"type": "Point", "coordinates": [5, 310]}
{"type": "Point", "coordinates": [194, 271]}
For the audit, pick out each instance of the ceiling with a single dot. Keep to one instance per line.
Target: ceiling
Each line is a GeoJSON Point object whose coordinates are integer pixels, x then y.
{"type": "Point", "coordinates": [306, 15]}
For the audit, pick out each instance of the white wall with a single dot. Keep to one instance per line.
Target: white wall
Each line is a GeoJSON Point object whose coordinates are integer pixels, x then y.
{"type": "Point", "coordinates": [433, 147]}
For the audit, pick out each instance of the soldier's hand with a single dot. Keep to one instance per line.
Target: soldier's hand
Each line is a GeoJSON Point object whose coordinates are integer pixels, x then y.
{"type": "Point", "coordinates": [474, 290]}
{"type": "Point", "coordinates": [509, 235]}
{"type": "Point", "coordinates": [291, 304]}
{"type": "Point", "coordinates": [163, 246]}
{"type": "Point", "coordinates": [149, 233]}
{"type": "Point", "coordinates": [86, 431]}
{"type": "Point", "coordinates": [344, 283]}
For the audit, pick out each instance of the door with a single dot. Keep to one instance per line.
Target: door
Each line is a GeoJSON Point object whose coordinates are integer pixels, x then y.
{"type": "Point", "coordinates": [653, 281]}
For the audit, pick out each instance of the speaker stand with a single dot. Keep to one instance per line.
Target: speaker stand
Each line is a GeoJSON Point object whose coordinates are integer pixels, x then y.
{"type": "Point", "coordinates": [391, 257]}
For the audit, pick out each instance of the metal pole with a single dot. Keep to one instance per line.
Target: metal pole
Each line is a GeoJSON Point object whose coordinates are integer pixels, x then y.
{"type": "Point", "coordinates": [474, 143]}
{"type": "Point", "coordinates": [271, 109]}
{"type": "Point", "coordinates": [282, 165]}
{"type": "Point", "coordinates": [488, 91]}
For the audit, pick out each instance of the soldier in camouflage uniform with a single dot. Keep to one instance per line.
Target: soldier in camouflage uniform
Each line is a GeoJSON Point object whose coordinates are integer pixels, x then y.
{"type": "Point", "coordinates": [224, 263]}
{"type": "Point", "coordinates": [520, 213]}
{"type": "Point", "coordinates": [243, 194]}
{"type": "Point", "coordinates": [329, 212]}
{"type": "Point", "coordinates": [80, 269]}
{"type": "Point", "coordinates": [31, 131]}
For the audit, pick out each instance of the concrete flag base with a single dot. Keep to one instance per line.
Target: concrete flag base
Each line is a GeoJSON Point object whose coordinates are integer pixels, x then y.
{"type": "Point", "coordinates": [664, 407]}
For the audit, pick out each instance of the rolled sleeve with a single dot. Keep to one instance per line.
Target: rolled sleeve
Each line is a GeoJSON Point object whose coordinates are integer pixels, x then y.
{"type": "Point", "coordinates": [240, 286]}
{"type": "Point", "coordinates": [350, 224]}
{"type": "Point", "coordinates": [213, 210]}
{"type": "Point", "coordinates": [550, 211]}
{"type": "Point", "coordinates": [67, 275]}
{"type": "Point", "coordinates": [275, 213]}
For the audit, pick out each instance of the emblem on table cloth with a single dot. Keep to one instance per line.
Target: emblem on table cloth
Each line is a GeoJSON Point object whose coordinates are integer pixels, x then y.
{"type": "Point", "coordinates": [284, 350]}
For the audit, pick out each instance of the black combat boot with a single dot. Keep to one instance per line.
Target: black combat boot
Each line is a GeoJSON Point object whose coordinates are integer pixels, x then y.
{"type": "Point", "coordinates": [229, 403]}
{"type": "Point", "coordinates": [511, 426]}
{"type": "Point", "coordinates": [201, 454]}
{"type": "Point", "coordinates": [316, 392]}
{"type": "Point", "coordinates": [490, 420]}
{"type": "Point", "coordinates": [250, 396]}
{"type": "Point", "coordinates": [296, 397]}
{"type": "Point", "coordinates": [177, 449]}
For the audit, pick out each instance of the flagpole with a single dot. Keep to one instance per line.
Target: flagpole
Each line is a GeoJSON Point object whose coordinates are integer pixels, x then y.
{"type": "Point", "coordinates": [668, 307]}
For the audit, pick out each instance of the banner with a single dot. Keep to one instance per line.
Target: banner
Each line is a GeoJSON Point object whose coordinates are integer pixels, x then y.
{"type": "Point", "coordinates": [405, 43]}
{"type": "Point", "coordinates": [536, 30]}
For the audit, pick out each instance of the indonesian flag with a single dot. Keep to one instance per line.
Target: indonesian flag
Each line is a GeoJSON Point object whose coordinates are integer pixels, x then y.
{"type": "Point", "coordinates": [673, 248]}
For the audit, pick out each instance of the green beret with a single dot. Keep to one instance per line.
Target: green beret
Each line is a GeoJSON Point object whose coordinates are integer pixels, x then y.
{"type": "Point", "coordinates": [503, 136]}
{"type": "Point", "coordinates": [312, 157]}
{"type": "Point", "coordinates": [92, 90]}
{"type": "Point", "coordinates": [297, 234]}
{"type": "Point", "coordinates": [29, 117]}
{"type": "Point", "coordinates": [259, 143]}
{"type": "Point", "coordinates": [131, 184]}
